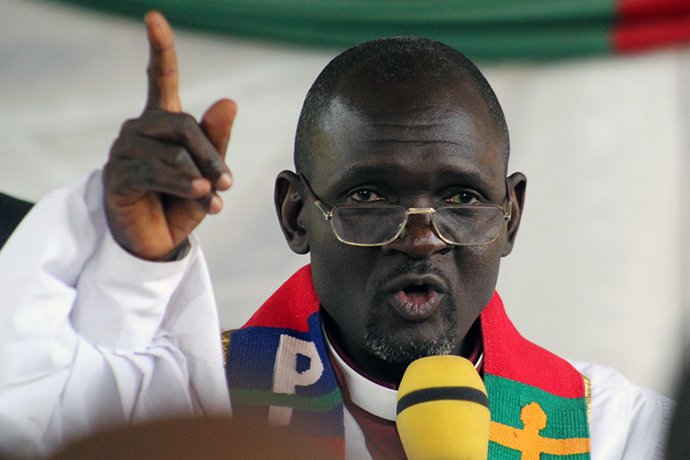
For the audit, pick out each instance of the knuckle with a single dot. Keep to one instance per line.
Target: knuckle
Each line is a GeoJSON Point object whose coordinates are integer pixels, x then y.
{"type": "Point", "coordinates": [125, 147]}
{"type": "Point", "coordinates": [141, 171]}
{"type": "Point", "coordinates": [129, 125]}
{"type": "Point", "coordinates": [178, 156]}
{"type": "Point", "coordinates": [155, 70]}
{"type": "Point", "coordinates": [149, 177]}
{"type": "Point", "coordinates": [210, 166]}
{"type": "Point", "coordinates": [188, 126]}
{"type": "Point", "coordinates": [120, 178]}
{"type": "Point", "coordinates": [118, 149]}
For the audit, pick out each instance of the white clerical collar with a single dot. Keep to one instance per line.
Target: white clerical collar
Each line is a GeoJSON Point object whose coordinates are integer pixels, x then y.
{"type": "Point", "coordinates": [372, 397]}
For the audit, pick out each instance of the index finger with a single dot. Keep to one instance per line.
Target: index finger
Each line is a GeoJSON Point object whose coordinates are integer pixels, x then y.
{"type": "Point", "coordinates": [162, 70]}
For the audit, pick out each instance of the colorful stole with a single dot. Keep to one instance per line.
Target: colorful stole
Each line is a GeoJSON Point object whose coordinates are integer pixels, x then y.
{"type": "Point", "coordinates": [278, 367]}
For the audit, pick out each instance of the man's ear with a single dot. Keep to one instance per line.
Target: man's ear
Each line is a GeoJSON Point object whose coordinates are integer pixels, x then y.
{"type": "Point", "coordinates": [517, 185]}
{"type": "Point", "coordinates": [289, 202]}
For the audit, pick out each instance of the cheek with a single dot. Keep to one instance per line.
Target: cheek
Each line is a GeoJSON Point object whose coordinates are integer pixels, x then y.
{"type": "Point", "coordinates": [341, 277]}
{"type": "Point", "coordinates": [477, 273]}
{"type": "Point", "coordinates": [479, 265]}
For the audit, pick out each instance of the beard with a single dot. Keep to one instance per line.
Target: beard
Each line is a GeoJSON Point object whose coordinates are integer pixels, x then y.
{"type": "Point", "coordinates": [403, 350]}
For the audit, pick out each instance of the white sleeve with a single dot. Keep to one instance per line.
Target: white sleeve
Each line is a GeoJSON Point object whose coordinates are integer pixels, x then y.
{"type": "Point", "coordinates": [91, 336]}
{"type": "Point", "coordinates": [627, 421]}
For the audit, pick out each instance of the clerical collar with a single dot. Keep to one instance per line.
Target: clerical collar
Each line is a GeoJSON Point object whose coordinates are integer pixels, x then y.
{"type": "Point", "coordinates": [371, 396]}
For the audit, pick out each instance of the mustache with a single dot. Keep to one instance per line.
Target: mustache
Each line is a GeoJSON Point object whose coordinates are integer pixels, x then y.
{"type": "Point", "coordinates": [399, 350]}
{"type": "Point", "coordinates": [416, 267]}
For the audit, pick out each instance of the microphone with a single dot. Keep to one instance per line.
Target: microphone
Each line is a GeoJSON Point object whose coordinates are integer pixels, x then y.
{"type": "Point", "coordinates": [443, 410]}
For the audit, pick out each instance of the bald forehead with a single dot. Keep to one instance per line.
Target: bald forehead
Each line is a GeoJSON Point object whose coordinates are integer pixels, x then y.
{"type": "Point", "coordinates": [392, 79]}
{"type": "Point", "coordinates": [428, 111]}
{"type": "Point", "coordinates": [425, 96]}
{"type": "Point", "coordinates": [396, 129]}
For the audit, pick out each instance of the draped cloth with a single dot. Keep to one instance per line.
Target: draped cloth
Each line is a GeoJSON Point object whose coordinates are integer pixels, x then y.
{"type": "Point", "coordinates": [278, 368]}
{"type": "Point", "coordinates": [495, 30]}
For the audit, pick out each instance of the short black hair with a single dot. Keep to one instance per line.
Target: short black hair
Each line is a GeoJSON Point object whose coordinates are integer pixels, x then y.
{"type": "Point", "coordinates": [392, 60]}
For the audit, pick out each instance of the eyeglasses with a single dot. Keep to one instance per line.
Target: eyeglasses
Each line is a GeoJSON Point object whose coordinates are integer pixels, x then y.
{"type": "Point", "coordinates": [380, 224]}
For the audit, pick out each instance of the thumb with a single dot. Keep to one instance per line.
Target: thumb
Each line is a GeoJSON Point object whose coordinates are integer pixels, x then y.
{"type": "Point", "coordinates": [217, 124]}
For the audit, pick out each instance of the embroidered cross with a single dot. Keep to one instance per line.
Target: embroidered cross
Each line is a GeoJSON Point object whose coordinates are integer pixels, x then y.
{"type": "Point", "coordinates": [529, 441]}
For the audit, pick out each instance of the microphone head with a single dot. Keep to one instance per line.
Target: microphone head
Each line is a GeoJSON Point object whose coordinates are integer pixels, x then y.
{"type": "Point", "coordinates": [443, 410]}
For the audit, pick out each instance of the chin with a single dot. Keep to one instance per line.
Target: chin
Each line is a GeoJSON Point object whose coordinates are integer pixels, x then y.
{"type": "Point", "coordinates": [401, 350]}
{"type": "Point", "coordinates": [413, 340]}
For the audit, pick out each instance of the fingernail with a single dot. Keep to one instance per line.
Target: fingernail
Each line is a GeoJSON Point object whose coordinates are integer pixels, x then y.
{"type": "Point", "coordinates": [215, 206]}
{"type": "Point", "coordinates": [224, 181]}
{"type": "Point", "coordinates": [200, 186]}
{"type": "Point", "coordinates": [153, 16]}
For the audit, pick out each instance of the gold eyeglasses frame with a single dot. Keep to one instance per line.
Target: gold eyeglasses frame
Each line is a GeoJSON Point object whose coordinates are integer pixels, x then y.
{"type": "Point", "coordinates": [328, 216]}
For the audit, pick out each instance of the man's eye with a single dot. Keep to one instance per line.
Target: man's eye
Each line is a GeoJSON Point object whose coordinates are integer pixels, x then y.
{"type": "Point", "coordinates": [365, 196]}
{"type": "Point", "coordinates": [463, 198]}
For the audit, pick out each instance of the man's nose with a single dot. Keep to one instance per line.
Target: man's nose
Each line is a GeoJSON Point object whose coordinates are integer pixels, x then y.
{"type": "Point", "coordinates": [418, 239]}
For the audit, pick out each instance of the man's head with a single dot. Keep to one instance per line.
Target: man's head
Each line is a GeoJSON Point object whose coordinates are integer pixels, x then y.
{"type": "Point", "coordinates": [408, 122]}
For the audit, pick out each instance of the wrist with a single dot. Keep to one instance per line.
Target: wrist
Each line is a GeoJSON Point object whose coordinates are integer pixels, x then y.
{"type": "Point", "coordinates": [178, 253]}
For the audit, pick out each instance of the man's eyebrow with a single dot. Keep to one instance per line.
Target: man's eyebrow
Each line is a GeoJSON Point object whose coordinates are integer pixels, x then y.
{"type": "Point", "coordinates": [360, 172]}
{"type": "Point", "coordinates": [412, 141]}
{"type": "Point", "coordinates": [363, 173]}
{"type": "Point", "coordinates": [415, 125]}
{"type": "Point", "coordinates": [470, 178]}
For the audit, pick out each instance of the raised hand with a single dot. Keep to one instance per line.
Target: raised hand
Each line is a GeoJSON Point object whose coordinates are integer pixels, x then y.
{"type": "Point", "coordinates": [165, 168]}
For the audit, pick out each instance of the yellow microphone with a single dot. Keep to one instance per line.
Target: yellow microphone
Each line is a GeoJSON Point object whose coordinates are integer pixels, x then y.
{"type": "Point", "coordinates": [443, 410]}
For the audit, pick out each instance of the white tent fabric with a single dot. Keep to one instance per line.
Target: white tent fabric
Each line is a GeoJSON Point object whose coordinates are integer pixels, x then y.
{"type": "Point", "coordinates": [599, 271]}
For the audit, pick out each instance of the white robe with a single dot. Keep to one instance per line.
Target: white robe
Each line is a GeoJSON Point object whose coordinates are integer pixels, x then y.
{"type": "Point", "coordinates": [91, 336]}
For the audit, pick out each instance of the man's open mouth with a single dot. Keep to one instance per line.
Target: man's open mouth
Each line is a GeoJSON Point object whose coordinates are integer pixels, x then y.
{"type": "Point", "coordinates": [416, 301]}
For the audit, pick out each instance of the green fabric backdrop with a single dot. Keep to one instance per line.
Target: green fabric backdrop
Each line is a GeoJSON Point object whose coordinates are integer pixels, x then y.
{"type": "Point", "coordinates": [482, 29]}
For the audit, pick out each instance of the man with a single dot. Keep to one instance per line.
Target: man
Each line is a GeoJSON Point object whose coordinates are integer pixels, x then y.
{"type": "Point", "coordinates": [401, 197]}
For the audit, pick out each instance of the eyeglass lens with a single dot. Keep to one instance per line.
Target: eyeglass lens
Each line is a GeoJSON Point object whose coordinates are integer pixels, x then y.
{"type": "Point", "coordinates": [372, 225]}
{"type": "Point", "coordinates": [469, 225]}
